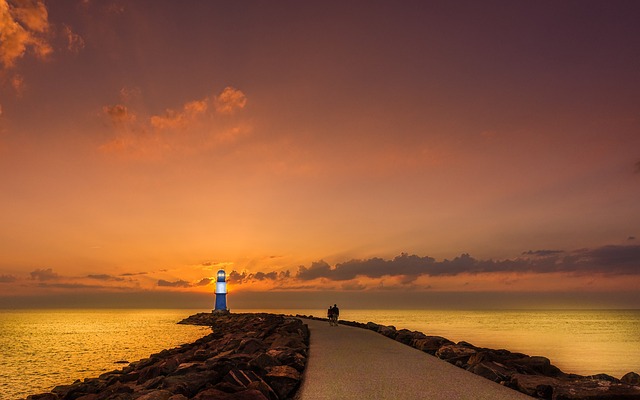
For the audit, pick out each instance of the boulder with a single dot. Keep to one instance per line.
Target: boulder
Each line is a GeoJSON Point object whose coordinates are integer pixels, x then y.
{"type": "Point", "coordinates": [430, 344]}
{"type": "Point", "coordinates": [214, 394]}
{"type": "Point", "coordinates": [455, 352]}
{"type": "Point", "coordinates": [251, 346]}
{"type": "Point", "coordinates": [283, 380]}
{"type": "Point", "coordinates": [535, 365]}
{"type": "Point", "coordinates": [156, 395]}
{"type": "Point", "coordinates": [631, 378]}
{"type": "Point", "coordinates": [372, 326]}
{"type": "Point", "coordinates": [43, 396]}
{"type": "Point", "coordinates": [406, 336]}
{"type": "Point", "coordinates": [388, 331]}
{"type": "Point", "coordinates": [534, 385]}
{"type": "Point", "coordinates": [492, 371]}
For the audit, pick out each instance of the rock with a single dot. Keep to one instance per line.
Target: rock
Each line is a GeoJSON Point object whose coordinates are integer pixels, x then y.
{"type": "Point", "coordinates": [283, 342]}
{"type": "Point", "coordinates": [406, 336]}
{"type": "Point", "coordinates": [492, 371]}
{"type": "Point", "coordinates": [430, 344]}
{"type": "Point", "coordinates": [532, 384]}
{"type": "Point", "coordinates": [372, 326]}
{"type": "Point", "coordinates": [177, 397]}
{"type": "Point", "coordinates": [157, 395]}
{"type": "Point", "coordinates": [43, 396]}
{"type": "Point", "coordinates": [214, 394]}
{"type": "Point", "coordinates": [262, 361]}
{"type": "Point", "coordinates": [283, 380]}
{"type": "Point", "coordinates": [455, 352]}
{"type": "Point", "coordinates": [388, 331]}
{"type": "Point", "coordinates": [265, 389]}
{"type": "Point", "coordinates": [631, 378]}
{"type": "Point", "coordinates": [536, 365]}
{"type": "Point", "coordinates": [251, 346]}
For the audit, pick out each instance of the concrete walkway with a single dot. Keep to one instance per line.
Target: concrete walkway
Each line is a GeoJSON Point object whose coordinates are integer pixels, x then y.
{"type": "Point", "coordinates": [354, 363]}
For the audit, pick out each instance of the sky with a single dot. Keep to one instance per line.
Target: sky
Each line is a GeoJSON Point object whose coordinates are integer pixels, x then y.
{"type": "Point", "coordinates": [384, 154]}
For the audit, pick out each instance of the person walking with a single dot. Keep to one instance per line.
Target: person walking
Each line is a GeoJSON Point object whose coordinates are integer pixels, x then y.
{"type": "Point", "coordinates": [330, 315]}
{"type": "Point", "coordinates": [336, 313]}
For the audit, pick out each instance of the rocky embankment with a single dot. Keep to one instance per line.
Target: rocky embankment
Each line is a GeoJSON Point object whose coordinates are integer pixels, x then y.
{"type": "Point", "coordinates": [532, 375]}
{"type": "Point", "coordinates": [247, 357]}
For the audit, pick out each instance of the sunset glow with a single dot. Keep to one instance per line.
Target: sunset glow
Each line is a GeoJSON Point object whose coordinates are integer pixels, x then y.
{"type": "Point", "coordinates": [362, 148]}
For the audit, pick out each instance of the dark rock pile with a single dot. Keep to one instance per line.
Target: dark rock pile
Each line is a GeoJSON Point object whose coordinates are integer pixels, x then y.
{"type": "Point", "coordinates": [532, 375]}
{"type": "Point", "coordinates": [247, 357]}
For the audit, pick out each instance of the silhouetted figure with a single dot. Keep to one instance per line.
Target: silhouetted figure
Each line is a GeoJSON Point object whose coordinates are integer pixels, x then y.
{"type": "Point", "coordinates": [335, 313]}
{"type": "Point", "coordinates": [330, 315]}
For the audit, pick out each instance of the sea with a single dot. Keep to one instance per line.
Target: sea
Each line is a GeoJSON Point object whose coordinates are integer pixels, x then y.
{"type": "Point", "coordinates": [40, 349]}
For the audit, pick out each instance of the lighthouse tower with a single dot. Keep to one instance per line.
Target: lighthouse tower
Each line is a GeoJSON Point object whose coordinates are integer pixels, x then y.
{"type": "Point", "coordinates": [221, 292]}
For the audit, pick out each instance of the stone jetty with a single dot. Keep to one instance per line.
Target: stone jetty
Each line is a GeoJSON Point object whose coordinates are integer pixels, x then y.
{"type": "Point", "coordinates": [246, 357]}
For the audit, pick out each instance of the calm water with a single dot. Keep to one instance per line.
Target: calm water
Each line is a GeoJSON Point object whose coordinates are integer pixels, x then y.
{"type": "Point", "coordinates": [42, 349]}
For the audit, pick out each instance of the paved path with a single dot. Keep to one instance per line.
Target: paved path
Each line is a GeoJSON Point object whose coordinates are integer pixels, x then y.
{"type": "Point", "coordinates": [355, 363]}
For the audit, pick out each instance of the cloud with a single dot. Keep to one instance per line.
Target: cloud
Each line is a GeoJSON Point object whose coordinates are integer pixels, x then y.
{"type": "Point", "coordinates": [631, 238]}
{"type": "Point", "coordinates": [609, 260]}
{"type": "Point", "coordinates": [180, 283]}
{"type": "Point", "coordinates": [7, 278]}
{"type": "Point", "coordinates": [105, 277]}
{"type": "Point", "coordinates": [204, 282]}
{"type": "Point", "coordinates": [23, 28]}
{"type": "Point", "coordinates": [119, 114]}
{"type": "Point", "coordinates": [193, 127]}
{"type": "Point", "coordinates": [637, 167]}
{"type": "Point", "coordinates": [75, 42]}
{"type": "Point", "coordinates": [17, 83]}
{"type": "Point", "coordinates": [134, 273]}
{"type": "Point", "coordinates": [44, 274]}
{"type": "Point", "coordinates": [230, 100]}
{"type": "Point", "coordinates": [239, 278]}
{"type": "Point", "coordinates": [75, 286]}
{"type": "Point", "coordinates": [179, 119]}
{"type": "Point", "coordinates": [542, 253]}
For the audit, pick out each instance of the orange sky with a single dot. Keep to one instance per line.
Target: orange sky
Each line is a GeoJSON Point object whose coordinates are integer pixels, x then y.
{"type": "Point", "coordinates": [469, 148]}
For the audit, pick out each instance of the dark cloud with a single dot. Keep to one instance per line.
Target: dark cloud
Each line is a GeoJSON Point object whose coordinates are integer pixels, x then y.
{"type": "Point", "coordinates": [605, 259]}
{"type": "Point", "coordinates": [105, 277]}
{"type": "Point", "coordinates": [542, 253]}
{"type": "Point", "coordinates": [238, 278]}
{"type": "Point", "coordinates": [72, 286]}
{"type": "Point", "coordinates": [44, 274]}
{"type": "Point", "coordinates": [204, 282]}
{"type": "Point", "coordinates": [180, 283]}
{"type": "Point", "coordinates": [631, 238]}
{"type": "Point", "coordinates": [7, 278]}
{"type": "Point", "coordinates": [134, 273]}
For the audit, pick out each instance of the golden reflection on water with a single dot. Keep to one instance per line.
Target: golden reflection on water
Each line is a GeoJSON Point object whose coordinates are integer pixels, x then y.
{"type": "Point", "coordinates": [42, 349]}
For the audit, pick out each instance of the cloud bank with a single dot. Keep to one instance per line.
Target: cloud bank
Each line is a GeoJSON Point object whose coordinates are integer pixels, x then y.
{"type": "Point", "coordinates": [606, 260]}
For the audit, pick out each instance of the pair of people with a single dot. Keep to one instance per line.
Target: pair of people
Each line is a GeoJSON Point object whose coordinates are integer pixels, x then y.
{"type": "Point", "coordinates": [332, 314]}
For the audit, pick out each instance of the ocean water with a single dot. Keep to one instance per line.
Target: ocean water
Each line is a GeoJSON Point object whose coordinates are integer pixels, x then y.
{"type": "Point", "coordinates": [43, 349]}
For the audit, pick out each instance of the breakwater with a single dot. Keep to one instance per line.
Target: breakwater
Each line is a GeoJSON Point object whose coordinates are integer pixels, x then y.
{"type": "Point", "coordinates": [247, 356]}
{"type": "Point", "coordinates": [532, 375]}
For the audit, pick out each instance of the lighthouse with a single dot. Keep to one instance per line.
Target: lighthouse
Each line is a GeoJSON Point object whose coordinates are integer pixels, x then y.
{"type": "Point", "coordinates": [221, 292]}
